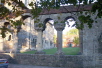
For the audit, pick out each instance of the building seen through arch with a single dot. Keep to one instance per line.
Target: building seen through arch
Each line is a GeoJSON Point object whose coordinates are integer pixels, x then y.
{"type": "Point", "coordinates": [70, 34]}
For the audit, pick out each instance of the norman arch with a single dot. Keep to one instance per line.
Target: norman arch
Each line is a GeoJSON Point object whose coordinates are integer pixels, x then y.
{"type": "Point", "coordinates": [48, 32]}
{"type": "Point", "coordinates": [59, 25]}
{"type": "Point", "coordinates": [47, 20]}
{"type": "Point", "coordinates": [70, 19]}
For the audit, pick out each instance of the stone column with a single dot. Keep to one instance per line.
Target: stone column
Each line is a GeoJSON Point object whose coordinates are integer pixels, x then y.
{"type": "Point", "coordinates": [39, 45]}
{"type": "Point", "coordinates": [81, 41]}
{"type": "Point", "coordinates": [15, 41]}
{"type": "Point", "coordinates": [59, 27]}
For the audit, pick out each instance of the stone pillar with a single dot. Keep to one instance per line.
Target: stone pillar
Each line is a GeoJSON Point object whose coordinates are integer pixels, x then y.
{"type": "Point", "coordinates": [81, 41]}
{"type": "Point", "coordinates": [59, 27]}
{"type": "Point", "coordinates": [15, 41]}
{"type": "Point", "coordinates": [28, 43]}
{"type": "Point", "coordinates": [39, 41]}
{"type": "Point", "coordinates": [59, 42]}
{"type": "Point", "coordinates": [39, 45]}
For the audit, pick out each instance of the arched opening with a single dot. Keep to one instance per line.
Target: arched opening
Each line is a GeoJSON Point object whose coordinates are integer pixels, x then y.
{"type": "Point", "coordinates": [48, 33]}
{"type": "Point", "coordinates": [25, 33]}
{"type": "Point", "coordinates": [48, 37]}
{"type": "Point", "coordinates": [47, 21]}
{"type": "Point", "coordinates": [71, 36]}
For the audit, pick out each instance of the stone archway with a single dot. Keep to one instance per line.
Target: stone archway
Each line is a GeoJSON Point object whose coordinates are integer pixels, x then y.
{"type": "Point", "coordinates": [59, 24]}
{"type": "Point", "coordinates": [71, 24]}
{"type": "Point", "coordinates": [48, 32]}
{"type": "Point", "coordinates": [40, 27]}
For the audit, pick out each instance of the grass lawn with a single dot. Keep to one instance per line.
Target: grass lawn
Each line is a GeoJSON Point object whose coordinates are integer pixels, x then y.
{"type": "Point", "coordinates": [67, 51]}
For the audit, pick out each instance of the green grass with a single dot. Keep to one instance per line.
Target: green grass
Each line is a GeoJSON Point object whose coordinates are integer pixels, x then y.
{"type": "Point", "coordinates": [67, 51]}
{"type": "Point", "coordinates": [71, 50]}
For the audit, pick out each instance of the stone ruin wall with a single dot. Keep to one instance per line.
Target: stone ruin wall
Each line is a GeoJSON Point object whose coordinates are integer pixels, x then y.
{"type": "Point", "coordinates": [92, 42]}
{"type": "Point", "coordinates": [26, 33]}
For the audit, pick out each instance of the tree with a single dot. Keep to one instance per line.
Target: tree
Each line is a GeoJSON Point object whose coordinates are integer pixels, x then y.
{"type": "Point", "coordinates": [52, 4]}
{"type": "Point", "coordinates": [73, 32]}
{"type": "Point", "coordinates": [76, 40]}
{"type": "Point", "coordinates": [83, 18]}
{"type": "Point", "coordinates": [8, 14]}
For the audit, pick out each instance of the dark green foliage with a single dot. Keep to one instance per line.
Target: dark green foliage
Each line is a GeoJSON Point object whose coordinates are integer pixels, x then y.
{"type": "Point", "coordinates": [35, 12]}
{"type": "Point", "coordinates": [3, 31]}
{"type": "Point", "coordinates": [76, 40]}
{"type": "Point", "coordinates": [85, 20]}
{"type": "Point", "coordinates": [17, 23]}
{"type": "Point", "coordinates": [3, 12]}
{"type": "Point", "coordinates": [40, 25]}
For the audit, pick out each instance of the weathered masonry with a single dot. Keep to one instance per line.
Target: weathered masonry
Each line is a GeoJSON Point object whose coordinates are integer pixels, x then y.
{"type": "Point", "coordinates": [90, 44]}
{"type": "Point", "coordinates": [25, 36]}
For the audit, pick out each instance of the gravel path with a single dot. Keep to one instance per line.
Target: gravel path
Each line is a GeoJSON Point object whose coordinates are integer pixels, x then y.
{"type": "Point", "coordinates": [29, 66]}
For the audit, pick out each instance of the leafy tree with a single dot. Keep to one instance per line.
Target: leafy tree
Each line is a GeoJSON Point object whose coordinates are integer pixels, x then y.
{"type": "Point", "coordinates": [84, 19]}
{"type": "Point", "coordinates": [73, 32]}
{"type": "Point", "coordinates": [6, 13]}
{"type": "Point", "coordinates": [76, 40]}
